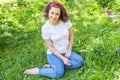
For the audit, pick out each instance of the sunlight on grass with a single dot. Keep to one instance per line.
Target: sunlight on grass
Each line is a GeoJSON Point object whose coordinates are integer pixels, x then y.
{"type": "Point", "coordinates": [117, 74]}
{"type": "Point", "coordinates": [22, 46]}
{"type": "Point", "coordinates": [89, 48]}
{"type": "Point", "coordinates": [75, 30]}
{"type": "Point", "coordinates": [6, 1]}
{"type": "Point", "coordinates": [96, 41]}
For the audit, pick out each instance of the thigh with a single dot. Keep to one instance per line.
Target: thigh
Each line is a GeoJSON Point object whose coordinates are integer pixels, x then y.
{"type": "Point", "coordinates": [55, 62]}
{"type": "Point", "coordinates": [76, 61]}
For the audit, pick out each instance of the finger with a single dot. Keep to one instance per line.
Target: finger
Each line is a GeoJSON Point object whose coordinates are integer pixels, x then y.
{"type": "Point", "coordinates": [69, 62]}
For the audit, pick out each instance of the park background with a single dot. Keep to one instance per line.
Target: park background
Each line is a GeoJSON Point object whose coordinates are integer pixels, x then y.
{"type": "Point", "coordinates": [97, 37]}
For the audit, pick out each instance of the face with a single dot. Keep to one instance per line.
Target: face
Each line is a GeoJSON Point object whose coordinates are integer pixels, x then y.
{"type": "Point", "coordinates": [54, 14]}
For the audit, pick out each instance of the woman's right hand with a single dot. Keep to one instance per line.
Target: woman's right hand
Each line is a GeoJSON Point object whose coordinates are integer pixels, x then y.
{"type": "Point", "coordinates": [66, 61]}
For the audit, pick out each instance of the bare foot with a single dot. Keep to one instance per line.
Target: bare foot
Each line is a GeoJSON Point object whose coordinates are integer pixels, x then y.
{"type": "Point", "coordinates": [46, 66]}
{"type": "Point", "coordinates": [32, 71]}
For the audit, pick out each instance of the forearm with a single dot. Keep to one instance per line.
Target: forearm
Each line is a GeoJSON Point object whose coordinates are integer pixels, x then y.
{"type": "Point", "coordinates": [64, 59]}
{"type": "Point", "coordinates": [55, 52]}
{"type": "Point", "coordinates": [52, 49]}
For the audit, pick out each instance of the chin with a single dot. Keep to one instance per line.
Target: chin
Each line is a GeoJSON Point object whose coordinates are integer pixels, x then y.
{"type": "Point", "coordinates": [53, 21]}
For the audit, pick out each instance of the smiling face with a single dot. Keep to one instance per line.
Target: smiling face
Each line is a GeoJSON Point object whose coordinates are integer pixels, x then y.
{"type": "Point", "coordinates": [54, 14]}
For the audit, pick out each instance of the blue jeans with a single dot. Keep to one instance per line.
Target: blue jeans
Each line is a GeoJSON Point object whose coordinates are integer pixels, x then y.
{"type": "Point", "coordinates": [57, 66]}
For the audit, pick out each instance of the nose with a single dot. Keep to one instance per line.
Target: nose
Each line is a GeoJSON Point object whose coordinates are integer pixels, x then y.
{"type": "Point", "coordinates": [54, 16]}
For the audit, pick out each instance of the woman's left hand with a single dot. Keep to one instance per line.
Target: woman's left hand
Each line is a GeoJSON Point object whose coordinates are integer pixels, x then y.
{"type": "Point", "coordinates": [67, 54]}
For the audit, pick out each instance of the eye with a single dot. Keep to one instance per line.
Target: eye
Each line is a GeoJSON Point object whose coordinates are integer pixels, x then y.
{"type": "Point", "coordinates": [57, 14]}
{"type": "Point", "coordinates": [52, 12]}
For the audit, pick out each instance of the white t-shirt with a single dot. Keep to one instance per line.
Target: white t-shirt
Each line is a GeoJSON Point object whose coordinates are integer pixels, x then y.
{"type": "Point", "coordinates": [59, 35]}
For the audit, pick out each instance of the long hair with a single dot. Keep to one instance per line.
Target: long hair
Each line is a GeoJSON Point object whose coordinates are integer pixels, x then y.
{"type": "Point", "coordinates": [63, 14]}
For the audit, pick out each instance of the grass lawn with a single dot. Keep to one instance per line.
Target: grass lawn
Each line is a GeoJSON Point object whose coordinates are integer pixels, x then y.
{"type": "Point", "coordinates": [22, 47]}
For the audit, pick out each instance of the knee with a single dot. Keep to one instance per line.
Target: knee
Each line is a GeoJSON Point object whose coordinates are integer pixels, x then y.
{"type": "Point", "coordinates": [81, 62]}
{"type": "Point", "coordinates": [58, 74]}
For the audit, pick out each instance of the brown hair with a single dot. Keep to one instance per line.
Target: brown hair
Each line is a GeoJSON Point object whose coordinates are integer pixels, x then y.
{"type": "Point", "coordinates": [63, 14]}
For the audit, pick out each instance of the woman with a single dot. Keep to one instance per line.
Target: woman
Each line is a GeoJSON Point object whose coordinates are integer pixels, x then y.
{"type": "Point", "coordinates": [58, 36]}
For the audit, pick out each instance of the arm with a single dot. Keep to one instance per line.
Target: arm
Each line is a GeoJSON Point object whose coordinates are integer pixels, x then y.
{"type": "Point", "coordinates": [71, 39]}
{"type": "Point", "coordinates": [55, 52]}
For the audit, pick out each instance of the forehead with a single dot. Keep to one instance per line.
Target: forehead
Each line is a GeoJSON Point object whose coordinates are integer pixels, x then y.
{"type": "Point", "coordinates": [55, 9]}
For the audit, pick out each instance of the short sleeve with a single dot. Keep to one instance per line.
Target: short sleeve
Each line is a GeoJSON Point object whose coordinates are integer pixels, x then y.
{"type": "Point", "coordinates": [69, 24]}
{"type": "Point", "coordinates": [45, 33]}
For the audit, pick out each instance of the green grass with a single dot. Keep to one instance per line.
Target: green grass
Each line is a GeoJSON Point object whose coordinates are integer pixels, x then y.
{"type": "Point", "coordinates": [22, 47]}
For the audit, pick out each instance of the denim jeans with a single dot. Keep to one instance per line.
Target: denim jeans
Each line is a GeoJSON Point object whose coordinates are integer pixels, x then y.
{"type": "Point", "coordinates": [57, 66]}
